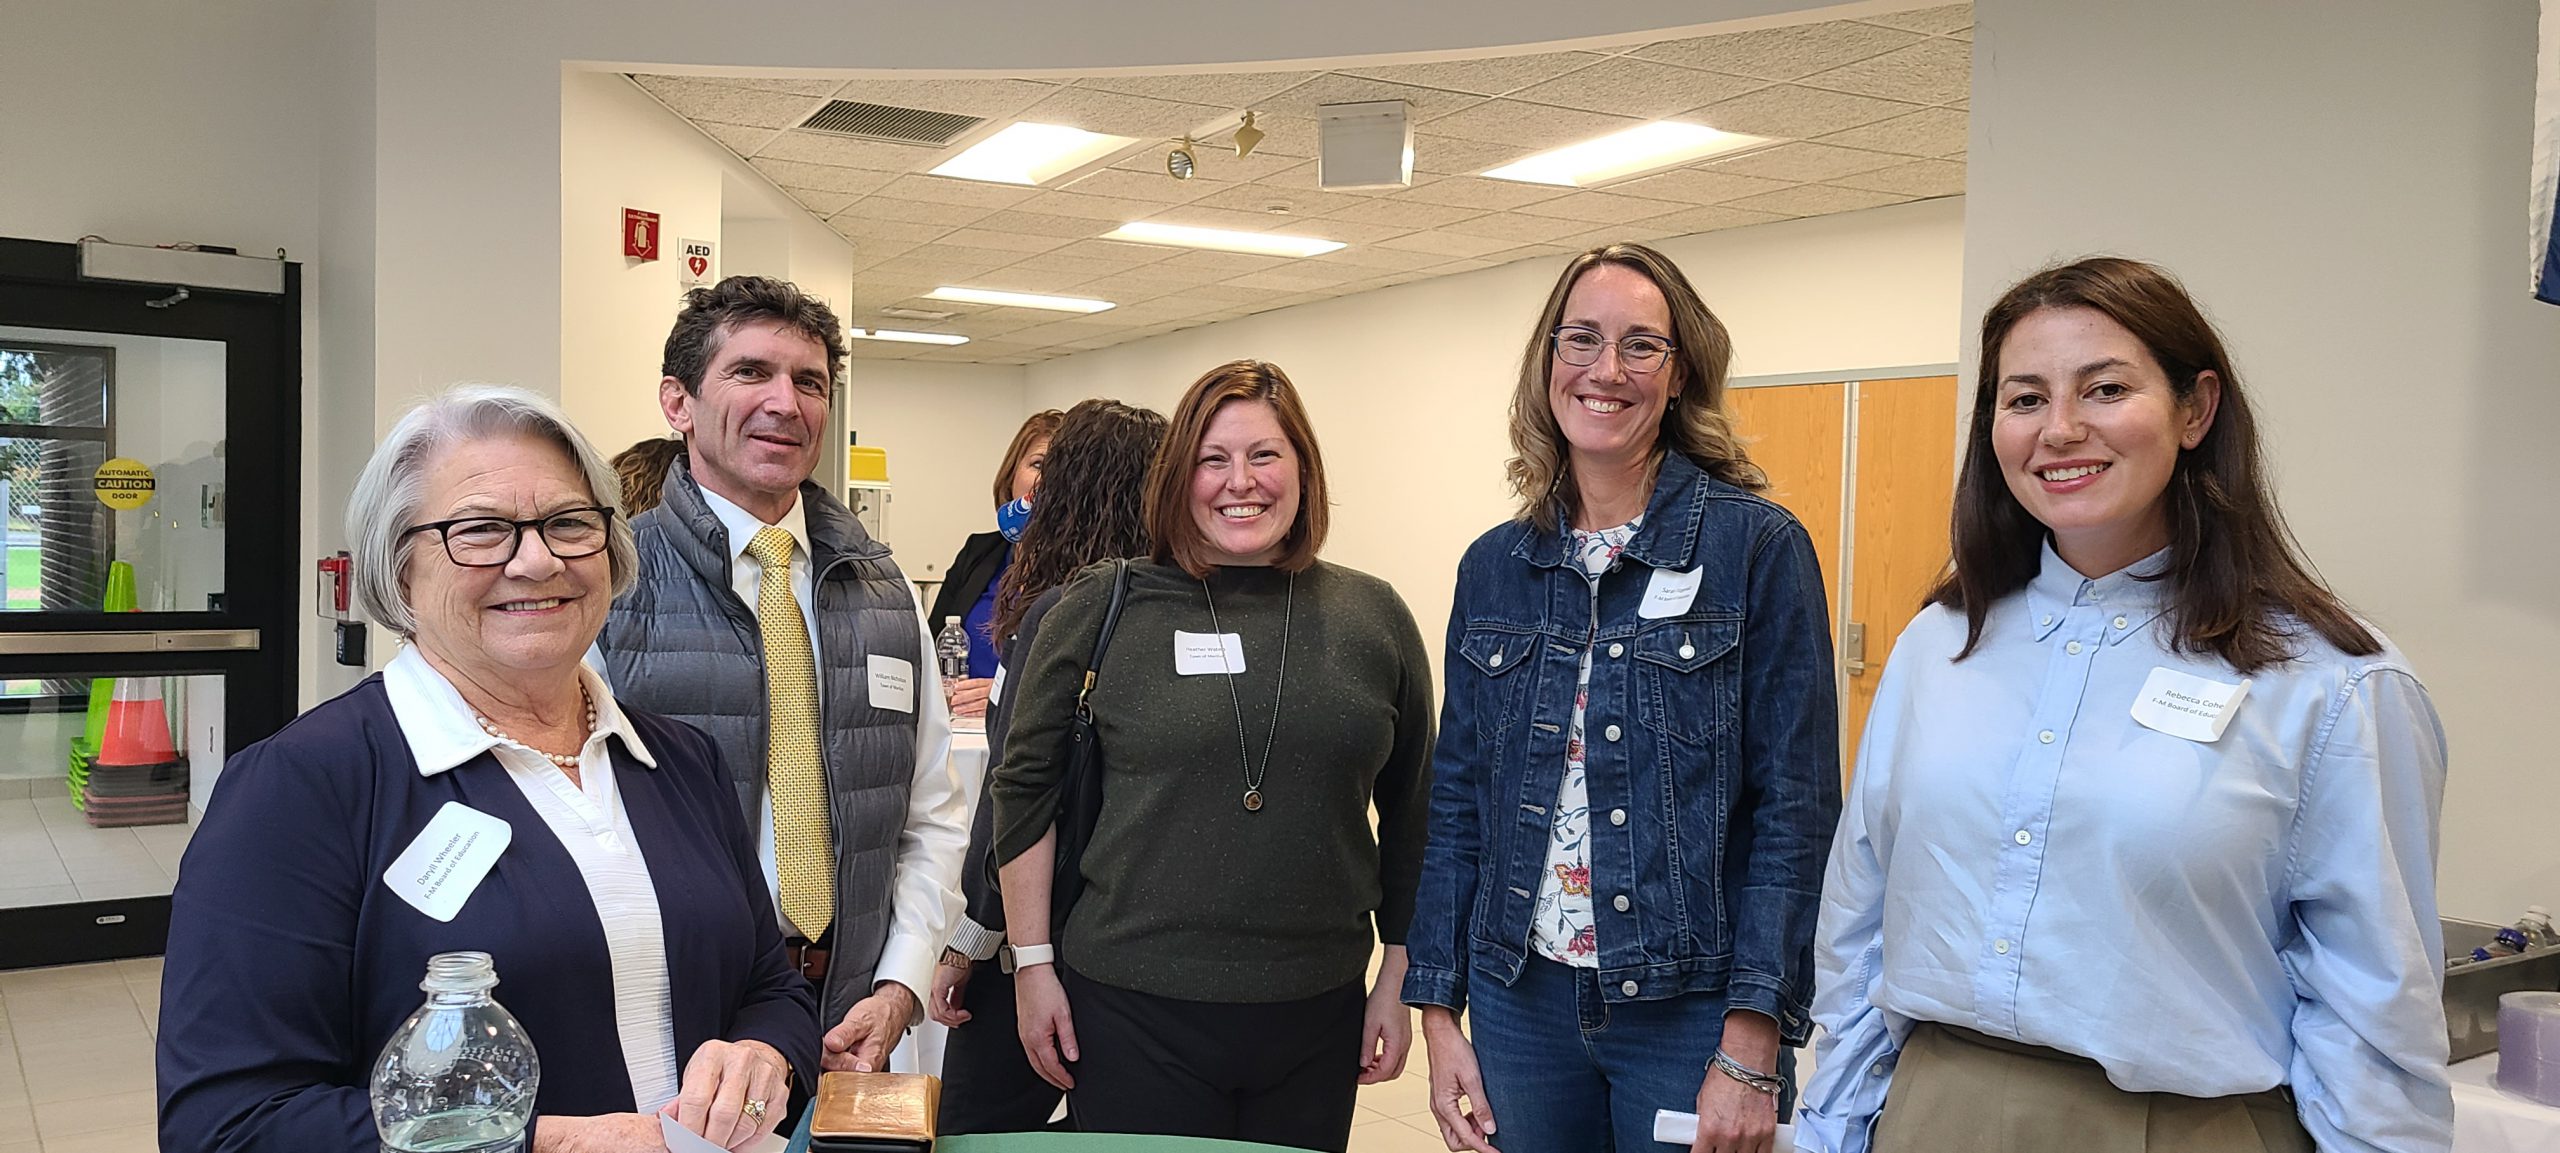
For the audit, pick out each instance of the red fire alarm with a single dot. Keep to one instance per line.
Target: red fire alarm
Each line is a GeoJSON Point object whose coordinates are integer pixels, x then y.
{"type": "Point", "coordinates": [639, 234]}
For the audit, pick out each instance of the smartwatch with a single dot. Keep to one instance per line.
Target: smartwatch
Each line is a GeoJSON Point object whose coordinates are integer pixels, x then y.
{"type": "Point", "coordinates": [1012, 958]}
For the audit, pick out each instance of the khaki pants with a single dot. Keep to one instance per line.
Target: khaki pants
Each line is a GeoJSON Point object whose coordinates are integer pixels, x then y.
{"type": "Point", "coordinates": [1958, 1091]}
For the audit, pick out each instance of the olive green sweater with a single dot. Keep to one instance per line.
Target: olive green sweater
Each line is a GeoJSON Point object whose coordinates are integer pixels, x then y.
{"type": "Point", "coordinates": [1187, 894]}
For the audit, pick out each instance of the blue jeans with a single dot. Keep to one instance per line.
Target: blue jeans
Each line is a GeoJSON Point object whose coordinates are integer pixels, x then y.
{"type": "Point", "coordinates": [1566, 1072]}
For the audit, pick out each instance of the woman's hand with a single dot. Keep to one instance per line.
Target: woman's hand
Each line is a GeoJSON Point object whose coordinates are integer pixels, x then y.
{"type": "Point", "coordinates": [1455, 1085]}
{"type": "Point", "coordinates": [950, 987]}
{"type": "Point", "coordinates": [1734, 1117]}
{"type": "Point", "coordinates": [721, 1081]}
{"type": "Point", "coordinates": [1386, 1026]}
{"type": "Point", "coordinates": [608, 1133]}
{"type": "Point", "coordinates": [968, 696]}
{"type": "Point", "coordinates": [1048, 1030]}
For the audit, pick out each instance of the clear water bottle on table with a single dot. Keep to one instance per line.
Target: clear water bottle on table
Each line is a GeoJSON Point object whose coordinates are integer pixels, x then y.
{"type": "Point", "coordinates": [951, 647]}
{"type": "Point", "coordinates": [459, 1076]}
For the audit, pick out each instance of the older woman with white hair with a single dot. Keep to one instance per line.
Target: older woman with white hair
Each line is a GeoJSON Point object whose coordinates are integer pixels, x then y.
{"type": "Point", "coordinates": [624, 909]}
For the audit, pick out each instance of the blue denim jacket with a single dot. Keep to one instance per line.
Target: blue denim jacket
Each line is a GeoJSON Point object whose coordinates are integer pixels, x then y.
{"type": "Point", "coordinates": [1713, 755]}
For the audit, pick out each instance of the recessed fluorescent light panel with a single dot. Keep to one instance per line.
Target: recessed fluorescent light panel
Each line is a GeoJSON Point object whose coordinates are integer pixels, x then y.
{"type": "Point", "coordinates": [910, 337]}
{"type": "Point", "coordinates": [1257, 243]}
{"type": "Point", "coordinates": [1018, 299]}
{"type": "Point", "coordinates": [1619, 155]}
{"type": "Point", "coordinates": [1034, 154]}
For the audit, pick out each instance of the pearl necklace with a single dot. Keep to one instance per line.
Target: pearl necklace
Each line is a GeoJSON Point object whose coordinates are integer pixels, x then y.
{"type": "Point", "coordinates": [564, 761]}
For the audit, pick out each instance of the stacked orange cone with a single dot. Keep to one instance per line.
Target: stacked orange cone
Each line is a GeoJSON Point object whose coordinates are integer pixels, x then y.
{"type": "Point", "coordinates": [139, 778]}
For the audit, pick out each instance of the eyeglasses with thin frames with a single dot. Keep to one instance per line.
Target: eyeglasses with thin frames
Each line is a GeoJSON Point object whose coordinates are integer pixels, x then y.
{"type": "Point", "coordinates": [492, 541]}
{"type": "Point", "coordinates": [1637, 353]}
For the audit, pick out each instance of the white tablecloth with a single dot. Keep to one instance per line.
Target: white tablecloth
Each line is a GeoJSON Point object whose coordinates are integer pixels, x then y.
{"type": "Point", "coordinates": [2487, 1119]}
{"type": "Point", "coordinates": [921, 1050]}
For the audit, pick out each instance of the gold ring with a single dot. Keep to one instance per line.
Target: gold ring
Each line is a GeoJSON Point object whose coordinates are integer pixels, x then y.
{"type": "Point", "coordinates": [754, 1109]}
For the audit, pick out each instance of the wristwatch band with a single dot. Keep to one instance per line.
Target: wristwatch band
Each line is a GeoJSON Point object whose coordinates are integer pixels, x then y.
{"type": "Point", "coordinates": [974, 940]}
{"type": "Point", "coordinates": [1012, 958]}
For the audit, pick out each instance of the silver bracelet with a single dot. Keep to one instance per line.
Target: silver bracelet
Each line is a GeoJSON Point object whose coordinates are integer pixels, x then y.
{"type": "Point", "coordinates": [1769, 1083]}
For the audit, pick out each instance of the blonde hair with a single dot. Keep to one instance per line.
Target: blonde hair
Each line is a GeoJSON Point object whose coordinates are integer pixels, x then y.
{"type": "Point", "coordinates": [1695, 423]}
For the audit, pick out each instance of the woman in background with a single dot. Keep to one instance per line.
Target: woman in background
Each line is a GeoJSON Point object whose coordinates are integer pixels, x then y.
{"type": "Point", "coordinates": [969, 585]}
{"type": "Point", "coordinates": [1093, 491]}
{"type": "Point", "coordinates": [642, 468]}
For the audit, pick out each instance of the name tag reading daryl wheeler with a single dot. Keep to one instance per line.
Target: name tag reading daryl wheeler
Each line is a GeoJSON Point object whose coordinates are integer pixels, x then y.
{"type": "Point", "coordinates": [1207, 654]}
{"type": "Point", "coordinates": [2189, 706]}
{"type": "Point", "coordinates": [440, 870]}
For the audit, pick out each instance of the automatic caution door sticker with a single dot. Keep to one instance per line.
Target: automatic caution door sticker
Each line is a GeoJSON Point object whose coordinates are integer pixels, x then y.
{"type": "Point", "coordinates": [124, 483]}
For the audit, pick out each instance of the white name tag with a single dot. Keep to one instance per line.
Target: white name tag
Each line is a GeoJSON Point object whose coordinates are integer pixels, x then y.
{"type": "Point", "coordinates": [995, 689]}
{"type": "Point", "coordinates": [1669, 593]}
{"type": "Point", "coordinates": [1206, 654]}
{"type": "Point", "coordinates": [440, 870]}
{"type": "Point", "coordinates": [679, 1139]}
{"type": "Point", "coordinates": [2184, 705]}
{"type": "Point", "coordinates": [893, 684]}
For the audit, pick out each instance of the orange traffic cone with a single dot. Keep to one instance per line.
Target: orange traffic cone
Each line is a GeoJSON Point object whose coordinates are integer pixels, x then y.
{"type": "Point", "coordinates": [138, 778]}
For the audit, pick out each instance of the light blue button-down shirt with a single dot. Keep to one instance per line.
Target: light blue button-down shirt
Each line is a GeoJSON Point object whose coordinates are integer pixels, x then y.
{"type": "Point", "coordinates": [2021, 857]}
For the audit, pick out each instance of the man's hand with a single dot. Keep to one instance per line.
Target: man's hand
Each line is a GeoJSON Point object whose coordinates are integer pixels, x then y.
{"type": "Point", "coordinates": [870, 1029]}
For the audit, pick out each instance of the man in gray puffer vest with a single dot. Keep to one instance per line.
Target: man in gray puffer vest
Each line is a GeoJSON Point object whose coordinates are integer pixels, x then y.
{"type": "Point", "coordinates": [766, 616]}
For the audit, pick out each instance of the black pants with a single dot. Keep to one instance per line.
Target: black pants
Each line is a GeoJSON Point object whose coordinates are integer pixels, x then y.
{"type": "Point", "coordinates": [988, 1086]}
{"type": "Point", "coordinates": [1285, 1073]}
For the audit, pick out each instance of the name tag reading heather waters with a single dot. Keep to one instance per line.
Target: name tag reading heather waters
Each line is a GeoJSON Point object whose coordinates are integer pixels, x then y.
{"type": "Point", "coordinates": [2186, 705]}
{"type": "Point", "coordinates": [440, 870]}
{"type": "Point", "coordinates": [1207, 654]}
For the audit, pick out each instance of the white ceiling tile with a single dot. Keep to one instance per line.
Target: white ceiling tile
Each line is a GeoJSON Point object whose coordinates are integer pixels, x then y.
{"type": "Point", "coordinates": [1945, 21]}
{"type": "Point", "coordinates": [1697, 186]}
{"type": "Point", "coordinates": [1118, 210]}
{"type": "Point", "coordinates": [1527, 127]}
{"type": "Point", "coordinates": [1448, 244]}
{"type": "Point", "coordinates": [984, 98]}
{"type": "Point", "coordinates": [1213, 159]}
{"type": "Point", "coordinates": [919, 211]}
{"type": "Point", "coordinates": [1491, 76]}
{"type": "Point", "coordinates": [1351, 232]}
{"type": "Point", "coordinates": [1301, 199]}
{"type": "Point", "coordinates": [1478, 192]}
{"type": "Point", "coordinates": [819, 200]}
{"type": "Point", "coordinates": [696, 99]}
{"type": "Point", "coordinates": [1306, 100]}
{"type": "Point", "coordinates": [1780, 53]}
{"type": "Point", "coordinates": [743, 139]}
{"type": "Point", "coordinates": [1450, 155]}
{"type": "Point", "coordinates": [1376, 258]}
{"type": "Point", "coordinates": [823, 177]}
{"type": "Point", "coordinates": [1455, 267]}
{"type": "Point", "coordinates": [1929, 72]}
{"type": "Point", "coordinates": [1644, 233]}
{"type": "Point", "coordinates": [1798, 113]}
{"type": "Point", "coordinates": [1158, 311]}
{"type": "Point", "coordinates": [1157, 188]}
{"type": "Point", "coordinates": [1691, 221]}
{"type": "Point", "coordinates": [1203, 215]}
{"type": "Point", "coordinates": [1530, 252]}
{"type": "Point", "coordinates": [1094, 110]}
{"type": "Point", "coordinates": [885, 350]}
{"type": "Point", "coordinates": [963, 255]}
{"type": "Point", "coordinates": [1928, 132]}
{"type": "Point", "coordinates": [983, 237]}
{"type": "Point", "coordinates": [1016, 278]}
{"type": "Point", "coordinates": [1516, 228]}
{"type": "Point", "coordinates": [1816, 200]}
{"type": "Point", "coordinates": [1118, 253]}
{"type": "Point", "coordinates": [1797, 163]}
{"type": "Point", "coordinates": [1128, 287]}
{"type": "Point", "coordinates": [1313, 278]}
{"type": "Point", "coordinates": [944, 190]}
{"type": "Point", "coordinates": [1306, 175]}
{"type": "Point", "coordinates": [1086, 267]}
{"type": "Point", "coordinates": [1918, 178]}
{"type": "Point", "coordinates": [1061, 331]}
{"type": "Point", "coordinates": [1236, 90]}
{"type": "Point", "coordinates": [1224, 263]}
{"type": "Point", "coordinates": [1283, 137]}
{"type": "Point", "coordinates": [1626, 86]}
{"type": "Point", "coordinates": [1599, 208]}
{"type": "Point", "coordinates": [795, 85]}
{"type": "Point", "coordinates": [1406, 213]}
{"type": "Point", "coordinates": [853, 225]}
{"type": "Point", "coordinates": [846, 152]}
{"type": "Point", "coordinates": [1042, 224]}
{"type": "Point", "coordinates": [871, 257]}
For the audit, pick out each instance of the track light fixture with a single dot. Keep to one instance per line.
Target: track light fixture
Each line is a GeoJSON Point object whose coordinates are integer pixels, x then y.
{"type": "Point", "coordinates": [1179, 162]}
{"type": "Point", "coordinates": [1247, 137]}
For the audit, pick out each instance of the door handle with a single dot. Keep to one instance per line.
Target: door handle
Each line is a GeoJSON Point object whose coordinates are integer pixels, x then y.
{"type": "Point", "coordinates": [176, 640]}
{"type": "Point", "coordinates": [1853, 648]}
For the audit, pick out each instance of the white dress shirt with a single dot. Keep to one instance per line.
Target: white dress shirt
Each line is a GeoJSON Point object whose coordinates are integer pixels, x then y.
{"type": "Point", "coordinates": [2022, 857]}
{"type": "Point", "coordinates": [925, 893]}
{"type": "Point", "coordinates": [589, 819]}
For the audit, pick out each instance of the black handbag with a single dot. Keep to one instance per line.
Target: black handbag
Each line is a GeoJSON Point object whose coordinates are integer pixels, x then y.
{"type": "Point", "coordinates": [1080, 790]}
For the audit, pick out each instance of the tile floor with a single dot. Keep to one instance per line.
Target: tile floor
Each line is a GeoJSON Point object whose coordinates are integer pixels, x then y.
{"type": "Point", "coordinates": [76, 1074]}
{"type": "Point", "coordinates": [49, 855]}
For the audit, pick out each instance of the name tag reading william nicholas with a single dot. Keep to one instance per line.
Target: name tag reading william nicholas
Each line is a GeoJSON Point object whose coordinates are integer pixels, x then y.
{"type": "Point", "coordinates": [893, 684]}
{"type": "Point", "coordinates": [2186, 705]}
{"type": "Point", "coordinates": [440, 870]}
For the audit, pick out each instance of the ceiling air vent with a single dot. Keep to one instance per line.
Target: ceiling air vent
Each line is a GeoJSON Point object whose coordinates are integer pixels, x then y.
{"type": "Point", "coordinates": [895, 125]}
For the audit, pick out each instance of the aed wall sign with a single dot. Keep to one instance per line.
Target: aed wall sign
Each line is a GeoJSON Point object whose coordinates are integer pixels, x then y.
{"type": "Point", "coordinates": [123, 483]}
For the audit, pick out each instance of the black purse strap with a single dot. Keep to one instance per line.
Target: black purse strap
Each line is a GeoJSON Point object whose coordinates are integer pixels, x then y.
{"type": "Point", "coordinates": [1102, 643]}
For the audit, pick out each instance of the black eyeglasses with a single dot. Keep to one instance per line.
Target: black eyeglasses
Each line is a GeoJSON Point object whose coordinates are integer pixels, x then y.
{"type": "Point", "coordinates": [1639, 354]}
{"type": "Point", "coordinates": [491, 541]}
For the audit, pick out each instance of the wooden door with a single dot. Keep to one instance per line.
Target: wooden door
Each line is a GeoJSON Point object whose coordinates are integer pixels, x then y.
{"type": "Point", "coordinates": [1795, 433]}
{"type": "Point", "coordinates": [1906, 471]}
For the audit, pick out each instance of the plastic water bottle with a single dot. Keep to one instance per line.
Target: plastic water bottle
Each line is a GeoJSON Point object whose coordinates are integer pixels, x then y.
{"type": "Point", "coordinates": [2537, 927]}
{"type": "Point", "coordinates": [952, 647]}
{"type": "Point", "coordinates": [459, 1076]}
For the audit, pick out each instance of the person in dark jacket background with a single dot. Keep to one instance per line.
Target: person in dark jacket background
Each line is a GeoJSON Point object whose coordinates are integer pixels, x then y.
{"type": "Point", "coordinates": [969, 585]}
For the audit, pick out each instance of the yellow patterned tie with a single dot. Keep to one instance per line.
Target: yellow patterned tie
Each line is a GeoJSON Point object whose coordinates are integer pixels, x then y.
{"type": "Point", "coordinates": [801, 852]}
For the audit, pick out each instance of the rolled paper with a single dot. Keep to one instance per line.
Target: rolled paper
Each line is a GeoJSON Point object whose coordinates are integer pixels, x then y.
{"type": "Point", "coordinates": [2529, 1045]}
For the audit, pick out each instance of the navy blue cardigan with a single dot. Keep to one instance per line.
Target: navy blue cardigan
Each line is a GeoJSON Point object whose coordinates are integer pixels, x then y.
{"type": "Point", "coordinates": [290, 964]}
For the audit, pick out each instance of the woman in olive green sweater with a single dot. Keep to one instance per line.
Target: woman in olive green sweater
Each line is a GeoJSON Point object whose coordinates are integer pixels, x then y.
{"type": "Point", "coordinates": [1254, 704]}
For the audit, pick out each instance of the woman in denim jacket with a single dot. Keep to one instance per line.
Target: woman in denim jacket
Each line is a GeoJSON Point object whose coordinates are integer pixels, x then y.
{"type": "Point", "coordinates": [1638, 770]}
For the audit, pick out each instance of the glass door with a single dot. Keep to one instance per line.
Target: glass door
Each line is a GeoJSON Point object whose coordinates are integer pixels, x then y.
{"type": "Point", "coordinates": [145, 631]}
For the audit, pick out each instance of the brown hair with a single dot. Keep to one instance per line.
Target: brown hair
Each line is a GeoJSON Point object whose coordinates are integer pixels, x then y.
{"type": "Point", "coordinates": [710, 314]}
{"type": "Point", "coordinates": [1092, 503]}
{"type": "Point", "coordinates": [642, 468]}
{"type": "Point", "coordinates": [1695, 423]}
{"type": "Point", "coordinates": [1168, 507]}
{"type": "Point", "coordinates": [1043, 425]}
{"type": "Point", "coordinates": [2234, 568]}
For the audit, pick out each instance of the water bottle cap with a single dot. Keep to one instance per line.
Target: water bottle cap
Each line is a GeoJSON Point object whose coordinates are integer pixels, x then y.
{"type": "Point", "coordinates": [466, 972]}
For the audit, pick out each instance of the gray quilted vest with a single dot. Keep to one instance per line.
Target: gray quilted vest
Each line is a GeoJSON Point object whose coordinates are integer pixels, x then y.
{"type": "Point", "coordinates": [681, 644]}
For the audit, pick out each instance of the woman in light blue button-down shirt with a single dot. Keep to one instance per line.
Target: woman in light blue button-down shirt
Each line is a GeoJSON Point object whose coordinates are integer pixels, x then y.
{"type": "Point", "coordinates": [2141, 850]}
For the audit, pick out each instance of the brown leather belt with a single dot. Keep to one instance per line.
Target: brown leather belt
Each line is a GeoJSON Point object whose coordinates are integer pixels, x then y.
{"type": "Point", "coordinates": [810, 959]}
